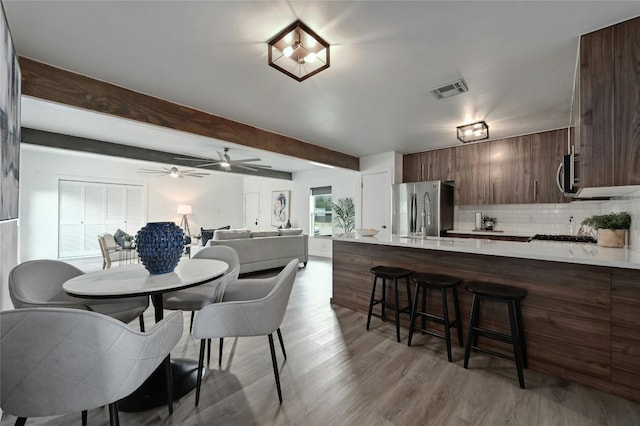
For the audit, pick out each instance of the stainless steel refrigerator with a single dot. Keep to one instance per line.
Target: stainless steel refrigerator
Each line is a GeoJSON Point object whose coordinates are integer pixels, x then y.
{"type": "Point", "coordinates": [422, 204]}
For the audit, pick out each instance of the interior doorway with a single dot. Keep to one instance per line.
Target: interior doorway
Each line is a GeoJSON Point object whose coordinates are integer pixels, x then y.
{"type": "Point", "coordinates": [251, 210]}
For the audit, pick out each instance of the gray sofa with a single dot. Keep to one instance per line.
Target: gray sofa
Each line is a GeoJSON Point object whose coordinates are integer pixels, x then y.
{"type": "Point", "coordinates": [259, 250]}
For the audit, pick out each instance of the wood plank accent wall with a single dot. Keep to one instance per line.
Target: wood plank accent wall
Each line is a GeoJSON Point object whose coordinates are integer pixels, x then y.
{"type": "Point", "coordinates": [54, 84]}
{"type": "Point", "coordinates": [574, 328]}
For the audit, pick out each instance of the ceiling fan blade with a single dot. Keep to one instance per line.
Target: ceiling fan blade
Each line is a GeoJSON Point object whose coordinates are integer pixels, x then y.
{"type": "Point", "coordinates": [221, 155]}
{"type": "Point", "coordinates": [215, 163]}
{"type": "Point", "coordinates": [258, 166]}
{"type": "Point", "coordinates": [247, 160]}
{"type": "Point", "coordinates": [162, 172]}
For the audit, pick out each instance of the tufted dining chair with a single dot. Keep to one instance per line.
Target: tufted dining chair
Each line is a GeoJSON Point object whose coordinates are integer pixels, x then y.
{"type": "Point", "coordinates": [38, 283]}
{"type": "Point", "coordinates": [249, 317]}
{"type": "Point", "coordinates": [57, 361]}
{"type": "Point", "coordinates": [195, 298]}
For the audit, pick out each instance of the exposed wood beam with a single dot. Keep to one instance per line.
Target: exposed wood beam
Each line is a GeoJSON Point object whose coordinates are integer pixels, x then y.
{"type": "Point", "coordinates": [54, 84]}
{"type": "Point", "coordinates": [57, 140]}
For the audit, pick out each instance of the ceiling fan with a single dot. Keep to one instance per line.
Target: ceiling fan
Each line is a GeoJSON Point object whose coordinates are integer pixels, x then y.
{"type": "Point", "coordinates": [227, 163]}
{"type": "Point", "coordinates": [175, 172]}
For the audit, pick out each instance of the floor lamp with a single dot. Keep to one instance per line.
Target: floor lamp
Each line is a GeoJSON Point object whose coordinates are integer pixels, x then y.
{"type": "Point", "coordinates": [184, 210]}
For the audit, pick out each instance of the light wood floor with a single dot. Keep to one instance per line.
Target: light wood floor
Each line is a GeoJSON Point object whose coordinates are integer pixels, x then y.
{"type": "Point", "coordinates": [339, 374]}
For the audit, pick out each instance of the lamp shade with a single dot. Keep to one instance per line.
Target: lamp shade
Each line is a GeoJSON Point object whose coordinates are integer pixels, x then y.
{"type": "Point", "coordinates": [184, 209]}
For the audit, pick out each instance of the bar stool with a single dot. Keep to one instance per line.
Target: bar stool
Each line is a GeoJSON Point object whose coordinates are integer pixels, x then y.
{"type": "Point", "coordinates": [389, 273]}
{"type": "Point", "coordinates": [425, 282]}
{"type": "Point", "coordinates": [512, 297]}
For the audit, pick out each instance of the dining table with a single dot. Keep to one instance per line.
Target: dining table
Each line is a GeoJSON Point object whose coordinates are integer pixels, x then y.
{"type": "Point", "coordinates": [134, 280]}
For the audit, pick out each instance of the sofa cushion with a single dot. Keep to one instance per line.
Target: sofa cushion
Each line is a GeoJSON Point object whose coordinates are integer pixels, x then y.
{"type": "Point", "coordinates": [290, 231]}
{"type": "Point", "coordinates": [257, 234]}
{"type": "Point", "coordinates": [207, 234]}
{"type": "Point", "coordinates": [231, 234]}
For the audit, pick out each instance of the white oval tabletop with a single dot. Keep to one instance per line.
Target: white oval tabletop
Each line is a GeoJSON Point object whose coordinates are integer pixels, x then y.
{"type": "Point", "coordinates": [134, 280]}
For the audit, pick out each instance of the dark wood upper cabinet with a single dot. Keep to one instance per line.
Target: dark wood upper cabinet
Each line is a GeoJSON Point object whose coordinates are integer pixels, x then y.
{"type": "Point", "coordinates": [429, 165]}
{"type": "Point", "coordinates": [610, 106]}
{"type": "Point", "coordinates": [626, 129]}
{"type": "Point", "coordinates": [547, 151]}
{"type": "Point", "coordinates": [510, 171]}
{"type": "Point", "coordinates": [472, 175]}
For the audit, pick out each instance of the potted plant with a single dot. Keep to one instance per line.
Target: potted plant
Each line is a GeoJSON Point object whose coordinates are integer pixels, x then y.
{"type": "Point", "coordinates": [488, 222]}
{"type": "Point", "coordinates": [345, 214]}
{"type": "Point", "coordinates": [612, 228]}
{"type": "Point", "coordinates": [128, 240]}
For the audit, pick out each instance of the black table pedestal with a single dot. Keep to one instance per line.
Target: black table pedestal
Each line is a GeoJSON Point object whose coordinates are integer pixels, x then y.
{"type": "Point", "coordinates": [153, 392]}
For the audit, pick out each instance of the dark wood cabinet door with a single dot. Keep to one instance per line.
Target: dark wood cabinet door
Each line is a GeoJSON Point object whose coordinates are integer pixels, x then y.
{"type": "Point", "coordinates": [547, 150]}
{"type": "Point", "coordinates": [596, 108]}
{"type": "Point", "coordinates": [472, 174]}
{"type": "Point", "coordinates": [625, 328]}
{"type": "Point", "coordinates": [412, 167]}
{"type": "Point", "coordinates": [439, 164]}
{"type": "Point", "coordinates": [510, 176]}
{"type": "Point", "coordinates": [626, 128]}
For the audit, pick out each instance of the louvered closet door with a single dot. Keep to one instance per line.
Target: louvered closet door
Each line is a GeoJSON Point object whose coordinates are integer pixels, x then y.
{"type": "Point", "coordinates": [81, 213]}
{"type": "Point", "coordinates": [91, 208]}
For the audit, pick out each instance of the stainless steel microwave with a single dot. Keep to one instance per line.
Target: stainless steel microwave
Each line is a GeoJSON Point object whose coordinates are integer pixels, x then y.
{"type": "Point", "coordinates": [568, 178]}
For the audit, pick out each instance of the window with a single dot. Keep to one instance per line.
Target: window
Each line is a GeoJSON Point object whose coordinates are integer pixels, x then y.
{"type": "Point", "coordinates": [320, 208]}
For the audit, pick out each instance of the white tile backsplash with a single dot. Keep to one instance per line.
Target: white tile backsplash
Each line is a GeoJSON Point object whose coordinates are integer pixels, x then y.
{"type": "Point", "coordinates": [551, 218]}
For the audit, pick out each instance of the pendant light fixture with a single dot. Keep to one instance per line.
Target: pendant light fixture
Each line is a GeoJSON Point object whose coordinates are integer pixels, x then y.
{"type": "Point", "coordinates": [473, 132]}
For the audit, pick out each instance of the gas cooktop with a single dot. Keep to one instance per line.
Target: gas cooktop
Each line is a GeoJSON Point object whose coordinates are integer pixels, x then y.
{"type": "Point", "coordinates": [564, 238]}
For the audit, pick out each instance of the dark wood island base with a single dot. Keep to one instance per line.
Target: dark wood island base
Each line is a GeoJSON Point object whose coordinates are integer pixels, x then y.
{"type": "Point", "coordinates": [582, 322]}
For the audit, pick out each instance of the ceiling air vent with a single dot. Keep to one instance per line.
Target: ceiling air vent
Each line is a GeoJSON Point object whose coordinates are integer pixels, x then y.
{"type": "Point", "coordinates": [450, 89]}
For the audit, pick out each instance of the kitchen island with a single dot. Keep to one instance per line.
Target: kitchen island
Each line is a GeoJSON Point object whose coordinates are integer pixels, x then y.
{"type": "Point", "coordinates": [581, 316]}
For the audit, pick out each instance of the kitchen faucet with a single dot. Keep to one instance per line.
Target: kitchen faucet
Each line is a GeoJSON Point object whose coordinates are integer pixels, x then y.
{"type": "Point", "coordinates": [426, 213]}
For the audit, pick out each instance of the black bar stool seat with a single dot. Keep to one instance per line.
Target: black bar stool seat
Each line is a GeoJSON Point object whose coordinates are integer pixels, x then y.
{"type": "Point", "coordinates": [393, 274]}
{"type": "Point", "coordinates": [512, 296]}
{"type": "Point", "coordinates": [425, 282]}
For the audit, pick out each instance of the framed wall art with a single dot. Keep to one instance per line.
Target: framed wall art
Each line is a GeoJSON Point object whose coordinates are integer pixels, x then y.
{"type": "Point", "coordinates": [280, 207]}
{"type": "Point", "coordinates": [9, 123]}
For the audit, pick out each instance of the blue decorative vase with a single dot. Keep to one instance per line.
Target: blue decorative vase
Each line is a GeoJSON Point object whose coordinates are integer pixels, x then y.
{"type": "Point", "coordinates": [160, 246]}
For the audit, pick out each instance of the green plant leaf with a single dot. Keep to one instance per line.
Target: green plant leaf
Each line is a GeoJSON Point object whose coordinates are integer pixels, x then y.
{"type": "Point", "coordinates": [620, 220]}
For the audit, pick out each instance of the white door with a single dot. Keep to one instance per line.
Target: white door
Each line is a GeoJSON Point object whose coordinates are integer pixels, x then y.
{"type": "Point", "coordinates": [251, 210]}
{"type": "Point", "coordinates": [376, 202]}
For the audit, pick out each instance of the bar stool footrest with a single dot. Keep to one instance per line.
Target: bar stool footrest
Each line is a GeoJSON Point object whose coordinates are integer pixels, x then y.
{"type": "Point", "coordinates": [494, 353]}
{"type": "Point", "coordinates": [504, 338]}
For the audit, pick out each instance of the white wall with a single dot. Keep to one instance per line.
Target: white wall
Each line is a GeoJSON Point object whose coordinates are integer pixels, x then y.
{"type": "Point", "coordinates": [216, 199]}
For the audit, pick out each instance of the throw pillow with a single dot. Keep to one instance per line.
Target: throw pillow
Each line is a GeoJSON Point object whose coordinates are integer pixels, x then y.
{"type": "Point", "coordinates": [231, 234]}
{"type": "Point", "coordinates": [207, 234]}
{"type": "Point", "coordinates": [290, 231]}
{"type": "Point", "coordinates": [119, 237]}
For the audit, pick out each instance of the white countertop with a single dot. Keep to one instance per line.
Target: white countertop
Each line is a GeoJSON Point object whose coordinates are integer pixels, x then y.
{"type": "Point", "coordinates": [580, 253]}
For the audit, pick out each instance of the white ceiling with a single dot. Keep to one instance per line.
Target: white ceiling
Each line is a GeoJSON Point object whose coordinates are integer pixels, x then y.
{"type": "Point", "coordinates": [518, 59]}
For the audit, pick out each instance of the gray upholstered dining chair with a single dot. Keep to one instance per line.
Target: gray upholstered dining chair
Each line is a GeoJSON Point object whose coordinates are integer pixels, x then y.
{"type": "Point", "coordinates": [57, 361]}
{"type": "Point", "coordinates": [249, 317]}
{"type": "Point", "coordinates": [195, 298]}
{"type": "Point", "coordinates": [38, 283]}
